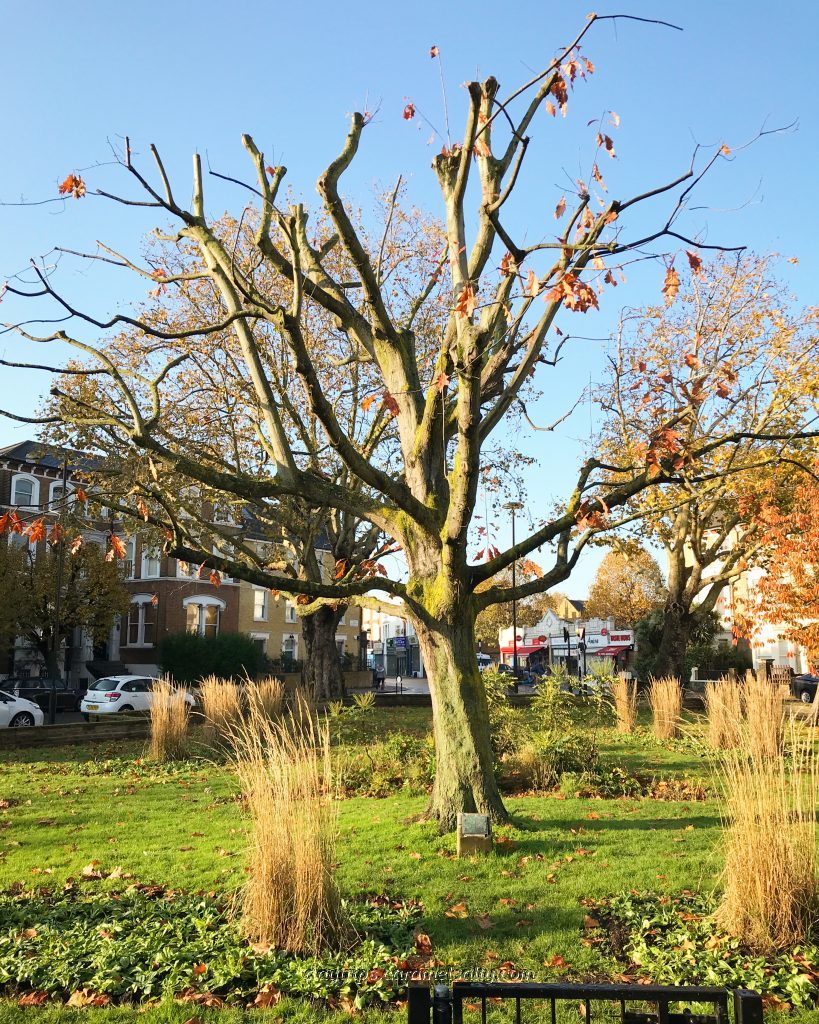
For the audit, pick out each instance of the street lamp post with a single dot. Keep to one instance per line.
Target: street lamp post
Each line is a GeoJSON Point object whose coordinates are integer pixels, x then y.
{"type": "Point", "coordinates": [513, 507]}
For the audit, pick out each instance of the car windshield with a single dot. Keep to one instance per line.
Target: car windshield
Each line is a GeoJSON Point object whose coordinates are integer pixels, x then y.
{"type": "Point", "coordinates": [104, 684]}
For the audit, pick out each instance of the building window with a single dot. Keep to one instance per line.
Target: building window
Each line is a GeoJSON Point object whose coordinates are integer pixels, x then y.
{"type": "Point", "coordinates": [289, 612]}
{"type": "Point", "coordinates": [151, 564]}
{"type": "Point", "coordinates": [259, 605]}
{"type": "Point", "coordinates": [25, 492]}
{"type": "Point", "coordinates": [130, 558]}
{"type": "Point", "coordinates": [140, 627]}
{"type": "Point", "coordinates": [55, 497]}
{"type": "Point", "coordinates": [353, 623]}
{"type": "Point", "coordinates": [260, 640]}
{"type": "Point", "coordinates": [290, 647]}
{"type": "Point", "coordinates": [203, 614]}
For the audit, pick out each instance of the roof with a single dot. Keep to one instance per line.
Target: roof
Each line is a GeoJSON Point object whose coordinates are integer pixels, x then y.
{"type": "Point", "coordinates": [47, 455]}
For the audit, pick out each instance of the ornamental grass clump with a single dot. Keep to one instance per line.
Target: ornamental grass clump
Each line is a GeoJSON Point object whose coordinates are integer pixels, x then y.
{"type": "Point", "coordinates": [267, 696]}
{"type": "Point", "coordinates": [624, 694]}
{"type": "Point", "coordinates": [221, 709]}
{"type": "Point", "coordinates": [771, 888]}
{"type": "Point", "coordinates": [665, 699]}
{"type": "Point", "coordinates": [764, 706]}
{"type": "Point", "coordinates": [169, 722]}
{"type": "Point", "coordinates": [723, 707]}
{"type": "Point", "coordinates": [290, 900]}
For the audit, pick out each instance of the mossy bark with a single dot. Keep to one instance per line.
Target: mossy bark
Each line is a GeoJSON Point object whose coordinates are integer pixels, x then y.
{"type": "Point", "coordinates": [464, 775]}
{"type": "Point", "coordinates": [322, 673]}
{"type": "Point", "coordinates": [678, 623]}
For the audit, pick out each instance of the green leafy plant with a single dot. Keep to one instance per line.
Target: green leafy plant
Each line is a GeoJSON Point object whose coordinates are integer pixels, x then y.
{"type": "Point", "coordinates": [364, 701]}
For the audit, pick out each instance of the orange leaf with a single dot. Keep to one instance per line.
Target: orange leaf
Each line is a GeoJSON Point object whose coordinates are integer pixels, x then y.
{"type": "Point", "coordinates": [409, 112]}
{"type": "Point", "coordinates": [390, 403]}
{"type": "Point", "coordinates": [76, 544]}
{"type": "Point", "coordinates": [606, 143]}
{"type": "Point", "coordinates": [550, 108]}
{"type": "Point", "coordinates": [560, 209]}
{"type": "Point", "coordinates": [367, 402]}
{"type": "Point", "coordinates": [55, 534]}
{"type": "Point", "coordinates": [341, 567]}
{"type": "Point", "coordinates": [480, 148]}
{"type": "Point", "coordinates": [80, 495]}
{"type": "Point", "coordinates": [532, 283]}
{"type": "Point", "coordinates": [598, 177]}
{"type": "Point", "coordinates": [199, 968]}
{"type": "Point", "coordinates": [215, 578]}
{"type": "Point", "coordinates": [725, 150]}
{"type": "Point", "coordinates": [73, 185]}
{"type": "Point", "coordinates": [465, 303]}
{"type": "Point", "coordinates": [441, 381]}
{"type": "Point", "coordinates": [36, 531]}
{"type": "Point", "coordinates": [433, 51]}
{"type": "Point", "coordinates": [118, 546]}
{"type": "Point", "coordinates": [142, 508]}
{"type": "Point", "coordinates": [694, 262]}
{"type": "Point", "coordinates": [671, 285]}
{"type": "Point", "coordinates": [691, 361]}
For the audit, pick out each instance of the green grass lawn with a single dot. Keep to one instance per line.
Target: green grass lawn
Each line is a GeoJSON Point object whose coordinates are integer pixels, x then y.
{"type": "Point", "coordinates": [182, 826]}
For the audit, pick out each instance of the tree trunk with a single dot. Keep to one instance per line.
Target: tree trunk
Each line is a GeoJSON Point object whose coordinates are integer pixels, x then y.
{"type": "Point", "coordinates": [464, 776]}
{"type": "Point", "coordinates": [322, 672]}
{"type": "Point", "coordinates": [677, 624]}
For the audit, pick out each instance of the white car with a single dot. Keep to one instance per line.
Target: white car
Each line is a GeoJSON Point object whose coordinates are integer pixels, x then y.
{"type": "Point", "coordinates": [17, 712]}
{"type": "Point", "coordinates": [114, 694]}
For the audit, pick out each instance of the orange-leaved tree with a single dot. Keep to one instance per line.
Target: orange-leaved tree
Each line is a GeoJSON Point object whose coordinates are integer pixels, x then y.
{"type": "Point", "coordinates": [726, 369]}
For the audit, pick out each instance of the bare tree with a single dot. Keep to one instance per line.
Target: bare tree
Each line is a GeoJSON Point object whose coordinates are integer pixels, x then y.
{"type": "Point", "coordinates": [503, 298]}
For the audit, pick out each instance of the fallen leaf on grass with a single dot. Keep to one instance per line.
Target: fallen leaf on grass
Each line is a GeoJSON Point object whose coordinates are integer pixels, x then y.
{"type": "Point", "coordinates": [423, 943]}
{"type": "Point", "coordinates": [33, 999]}
{"type": "Point", "coordinates": [268, 996]}
{"type": "Point", "coordinates": [555, 961]}
{"type": "Point", "coordinates": [457, 910]}
{"type": "Point", "coordinates": [483, 921]}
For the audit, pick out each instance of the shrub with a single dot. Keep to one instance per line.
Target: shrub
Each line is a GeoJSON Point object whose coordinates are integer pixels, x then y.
{"type": "Point", "coordinates": [542, 761]}
{"type": "Point", "coordinates": [723, 705]}
{"type": "Point", "coordinates": [290, 900]}
{"type": "Point", "coordinates": [665, 698]}
{"type": "Point", "coordinates": [764, 714]}
{"type": "Point", "coordinates": [504, 723]}
{"type": "Point", "coordinates": [189, 657]}
{"type": "Point", "coordinates": [364, 701]}
{"type": "Point", "coordinates": [169, 722]}
{"type": "Point", "coordinates": [381, 767]}
{"type": "Point", "coordinates": [624, 692]}
{"type": "Point", "coordinates": [771, 888]}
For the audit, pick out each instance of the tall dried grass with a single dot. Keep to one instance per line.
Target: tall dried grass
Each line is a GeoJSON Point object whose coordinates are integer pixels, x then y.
{"type": "Point", "coordinates": [266, 696]}
{"type": "Point", "coordinates": [665, 698]}
{"type": "Point", "coordinates": [765, 715]}
{"type": "Point", "coordinates": [290, 900]}
{"type": "Point", "coordinates": [169, 722]}
{"type": "Point", "coordinates": [221, 709]}
{"type": "Point", "coordinates": [723, 706]}
{"type": "Point", "coordinates": [624, 693]}
{"type": "Point", "coordinates": [771, 888]}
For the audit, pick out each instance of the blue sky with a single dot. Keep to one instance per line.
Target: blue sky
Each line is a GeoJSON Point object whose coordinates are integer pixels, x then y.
{"type": "Point", "coordinates": [194, 76]}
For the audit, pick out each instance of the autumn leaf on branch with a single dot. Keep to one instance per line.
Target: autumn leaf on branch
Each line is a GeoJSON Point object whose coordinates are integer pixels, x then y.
{"type": "Point", "coordinates": [75, 545]}
{"type": "Point", "coordinates": [441, 381]}
{"type": "Point", "coordinates": [142, 508]}
{"type": "Point", "coordinates": [560, 93]}
{"type": "Point", "coordinates": [409, 112]}
{"type": "Point", "coordinates": [73, 185]}
{"type": "Point", "coordinates": [433, 52]}
{"type": "Point", "coordinates": [532, 283]}
{"type": "Point", "coordinates": [671, 285]}
{"type": "Point", "coordinates": [390, 403]}
{"type": "Point", "coordinates": [36, 531]}
{"type": "Point", "coordinates": [367, 402]}
{"type": "Point", "coordinates": [694, 262]}
{"type": "Point", "coordinates": [117, 549]}
{"type": "Point", "coordinates": [560, 209]}
{"type": "Point", "coordinates": [575, 294]}
{"type": "Point", "coordinates": [215, 578]}
{"type": "Point", "coordinates": [606, 143]}
{"type": "Point", "coordinates": [81, 496]}
{"type": "Point", "coordinates": [466, 301]}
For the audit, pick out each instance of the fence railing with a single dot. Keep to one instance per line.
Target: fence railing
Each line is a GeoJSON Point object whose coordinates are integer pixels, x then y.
{"type": "Point", "coordinates": [631, 1004]}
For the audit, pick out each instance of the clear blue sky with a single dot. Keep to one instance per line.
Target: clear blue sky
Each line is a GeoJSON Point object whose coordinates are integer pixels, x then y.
{"type": "Point", "coordinates": [194, 76]}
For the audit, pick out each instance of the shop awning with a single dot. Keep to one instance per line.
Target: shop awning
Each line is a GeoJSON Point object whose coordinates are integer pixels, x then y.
{"type": "Point", "coordinates": [609, 652]}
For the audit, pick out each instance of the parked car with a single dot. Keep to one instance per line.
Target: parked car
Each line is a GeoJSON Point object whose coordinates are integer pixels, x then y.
{"type": "Point", "coordinates": [115, 694]}
{"type": "Point", "coordinates": [804, 687]}
{"type": "Point", "coordinates": [68, 694]}
{"type": "Point", "coordinates": [17, 712]}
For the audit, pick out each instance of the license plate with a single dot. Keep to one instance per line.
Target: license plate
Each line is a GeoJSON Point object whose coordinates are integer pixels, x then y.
{"type": "Point", "coordinates": [93, 707]}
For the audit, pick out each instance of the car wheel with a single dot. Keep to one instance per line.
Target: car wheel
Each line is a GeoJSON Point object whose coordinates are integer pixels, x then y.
{"type": "Point", "coordinates": [126, 707]}
{"type": "Point", "coordinates": [22, 720]}
{"type": "Point", "coordinates": [806, 696]}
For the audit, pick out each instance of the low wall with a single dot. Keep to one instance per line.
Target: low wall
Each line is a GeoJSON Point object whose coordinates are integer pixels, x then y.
{"type": "Point", "coordinates": [75, 733]}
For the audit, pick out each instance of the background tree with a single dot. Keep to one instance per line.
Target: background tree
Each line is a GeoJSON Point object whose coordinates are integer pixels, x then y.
{"type": "Point", "coordinates": [499, 616]}
{"type": "Point", "coordinates": [728, 370]}
{"type": "Point", "coordinates": [502, 297]}
{"type": "Point", "coordinates": [629, 585]}
{"type": "Point", "coordinates": [786, 594]}
{"type": "Point", "coordinates": [91, 597]}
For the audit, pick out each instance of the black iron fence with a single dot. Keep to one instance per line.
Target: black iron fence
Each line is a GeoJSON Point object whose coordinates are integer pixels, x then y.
{"type": "Point", "coordinates": [630, 1004]}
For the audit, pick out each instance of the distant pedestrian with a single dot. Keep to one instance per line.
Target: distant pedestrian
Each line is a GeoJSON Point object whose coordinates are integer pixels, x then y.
{"type": "Point", "coordinates": [380, 676]}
